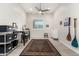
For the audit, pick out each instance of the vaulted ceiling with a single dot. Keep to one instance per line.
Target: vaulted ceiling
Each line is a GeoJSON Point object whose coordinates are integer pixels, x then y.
{"type": "Point", "coordinates": [30, 7]}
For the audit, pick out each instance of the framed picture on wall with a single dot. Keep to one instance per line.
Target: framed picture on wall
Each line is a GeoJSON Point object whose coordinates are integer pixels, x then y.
{"type": "Point", "coordinates": [66, 23]}
{"type": "Point", "coordinates": [60, 22]}
{"type": "Point", "coordinates": [47, 25]}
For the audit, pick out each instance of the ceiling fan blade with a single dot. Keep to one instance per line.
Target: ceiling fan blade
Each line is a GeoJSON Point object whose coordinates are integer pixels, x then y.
{"type": "Point", "coordinates": [38, 9]}
{"type": "Point", "coordinates": [45, 10]}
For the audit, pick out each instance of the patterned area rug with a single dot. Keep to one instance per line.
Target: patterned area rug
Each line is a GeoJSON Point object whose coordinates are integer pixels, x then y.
{"type": "Point", "coordinates": [40, 47]}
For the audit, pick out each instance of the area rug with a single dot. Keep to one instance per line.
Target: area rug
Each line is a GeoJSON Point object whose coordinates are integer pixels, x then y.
{"type": "Point", "coordinates": [40, 47]}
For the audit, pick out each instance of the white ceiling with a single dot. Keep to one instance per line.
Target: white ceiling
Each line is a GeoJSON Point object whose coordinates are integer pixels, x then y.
{"type": "Point", "coordinates": [30, 7]}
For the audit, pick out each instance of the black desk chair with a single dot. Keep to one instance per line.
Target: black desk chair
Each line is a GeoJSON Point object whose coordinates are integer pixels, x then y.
{"type": "Point", "coordinates": [27, 32]}
{"type": "Point", "coordinates": [25, 36]}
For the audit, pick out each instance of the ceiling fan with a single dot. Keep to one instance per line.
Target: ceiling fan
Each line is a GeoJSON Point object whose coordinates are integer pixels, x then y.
{"type": "Point", "coordinates": [41, 10]}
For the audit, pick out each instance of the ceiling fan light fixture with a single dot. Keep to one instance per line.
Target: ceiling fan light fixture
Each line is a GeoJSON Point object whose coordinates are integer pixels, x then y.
{"type": "Point", "coordinates": [40, 12]}
{"type": "Point", "coordinates": [31, 9]}
{"type": "Point", "coordinates": [48, 8]}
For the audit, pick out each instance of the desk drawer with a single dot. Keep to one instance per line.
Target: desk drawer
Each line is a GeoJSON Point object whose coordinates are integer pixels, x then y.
{"type": "Point", "coordinates": [8, 37]}
{"type": "Point", "coordinates": [15, 43]}
{"type": "Point", "coordinates": [1, 38]}
{"type": "Point", "coordinates": [9, 47]}
{"type": "Point", "coordinates": [1, 49]}
{"type": "Point", "coordinates": [14, 36]}
{"type": "Point", "coordinates": [5, 28]}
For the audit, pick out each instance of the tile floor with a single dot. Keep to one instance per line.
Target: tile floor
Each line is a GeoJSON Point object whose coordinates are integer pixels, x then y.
{"type": "Point", "coordinates": [18, 50]}
{"type": "Point", "coordinates": [63, 50]}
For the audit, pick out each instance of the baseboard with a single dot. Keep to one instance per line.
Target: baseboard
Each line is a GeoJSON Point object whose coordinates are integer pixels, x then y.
{"type": "Point", "coordinates": [54, 38]}
{"type": "Point", "coordinates": [70, 47]}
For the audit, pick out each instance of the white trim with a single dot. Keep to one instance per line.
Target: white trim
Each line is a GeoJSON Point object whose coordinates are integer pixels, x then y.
{"type": "Point", "coordinates": [70, 47]}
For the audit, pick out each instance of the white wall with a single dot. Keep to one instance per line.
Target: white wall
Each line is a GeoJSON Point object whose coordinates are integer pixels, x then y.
{"type": "Point", "coordinates": [11, 12]}
{"type": "Point", "coordinates": [71, 10]}
{"type": "Point", "coordinates": [52, 19]}
{"type": "Point", "coordinates": [35, 33]}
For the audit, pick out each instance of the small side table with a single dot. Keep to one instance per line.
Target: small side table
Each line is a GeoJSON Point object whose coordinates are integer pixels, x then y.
{"type": "Point", "coordinates": [45, 35]}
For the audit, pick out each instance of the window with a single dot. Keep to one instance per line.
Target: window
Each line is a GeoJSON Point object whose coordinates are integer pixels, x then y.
{"type": "Point", "coordinates": [38, 24]}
